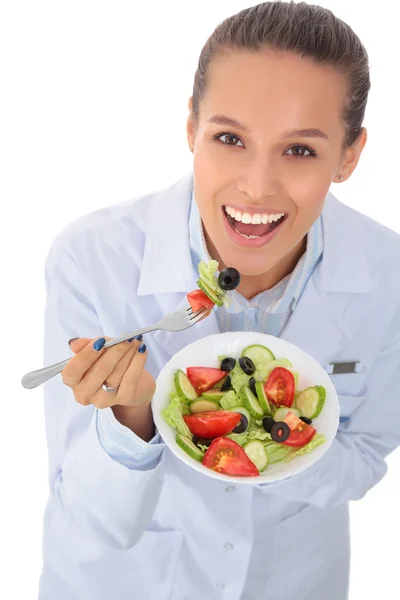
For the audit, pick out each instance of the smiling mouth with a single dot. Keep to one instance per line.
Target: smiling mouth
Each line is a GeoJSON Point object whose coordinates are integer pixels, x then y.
{"type": "Point", "coordinates": [255, 230]}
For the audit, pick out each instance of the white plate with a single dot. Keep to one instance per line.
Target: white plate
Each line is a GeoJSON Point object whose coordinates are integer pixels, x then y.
{"type": "Point", "coordinates": [204, 353]}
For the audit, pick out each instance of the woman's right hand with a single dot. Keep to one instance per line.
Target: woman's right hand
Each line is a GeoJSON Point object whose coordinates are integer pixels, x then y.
{"type": "Point", "coordinates": [121, 366]}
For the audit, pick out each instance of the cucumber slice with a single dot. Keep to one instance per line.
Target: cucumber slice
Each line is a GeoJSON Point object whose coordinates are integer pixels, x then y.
{"type": "Point", "coordinates": [209, 292]}
{"type": "Point", "coordinates": [311, 401]}
{"type": "Point", "coordinates": [213, 394]}
{"type": "Point", "coordinates": [184, 388]}
{"type": "Point", "coordinates": [242, 411]}
{"type": "Point", "coordinates": [258, 354]}
{"type": "Point", "coordinates": [251, 403]}
{"type": "Point", "coordinates": [257, 454]}
{"type": "Point", "coordinates": [191, 449]}
{"type": "Point", "coordinates": [199, 406]}
{"type": "Point", "coordinates": [262, 398]}
{"type": "Point", "coordinates": [281, 413]}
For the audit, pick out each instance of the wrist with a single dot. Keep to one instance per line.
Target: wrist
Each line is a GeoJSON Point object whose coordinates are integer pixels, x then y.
{"type": "Point", "coordinates": [138, 419]}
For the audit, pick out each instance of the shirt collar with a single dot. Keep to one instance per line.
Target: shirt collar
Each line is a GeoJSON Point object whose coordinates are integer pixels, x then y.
{"type": "Point", "coordinates": [344, 268]}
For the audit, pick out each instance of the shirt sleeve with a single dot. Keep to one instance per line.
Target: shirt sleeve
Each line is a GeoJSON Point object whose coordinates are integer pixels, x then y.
{"type": "Point", "coordinates": [124, 446]}
{"type": "Point", "coordinates": [99, 497]}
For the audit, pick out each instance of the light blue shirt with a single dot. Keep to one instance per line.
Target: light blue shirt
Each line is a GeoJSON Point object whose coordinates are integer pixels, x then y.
{"type": "Point", "coordinates": [168, 531]}
{"type": "Point", "coordinates": [268, 312]}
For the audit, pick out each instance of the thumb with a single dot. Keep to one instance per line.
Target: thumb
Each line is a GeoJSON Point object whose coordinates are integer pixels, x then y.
{"type": "Point", "coordinates": [78, 344]}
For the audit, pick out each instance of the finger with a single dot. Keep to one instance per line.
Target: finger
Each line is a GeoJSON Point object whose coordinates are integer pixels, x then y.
{"type": "Point", "coordinates": [137, 386]}
{"type": "Point", "coordinates": [100, 372]}
{"type": "Point", "coordinates": [90, 355]}
{"type": "Point", "coordinates": [78, 344]}
{"type": "Point", "coordinates": [115, 378]}
{"type": "Point", "coordinates": [103, 399]}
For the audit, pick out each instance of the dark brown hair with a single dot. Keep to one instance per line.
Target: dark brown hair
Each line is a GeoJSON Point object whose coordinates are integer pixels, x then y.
{"type": "Point", "coordinates": [306, 30]}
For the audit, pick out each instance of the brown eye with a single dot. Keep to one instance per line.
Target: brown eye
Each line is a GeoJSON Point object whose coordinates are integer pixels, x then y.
{"type": "Point", "coordinates": [229, 139]}
{"type": "Point", "coordinates": [300, 152]}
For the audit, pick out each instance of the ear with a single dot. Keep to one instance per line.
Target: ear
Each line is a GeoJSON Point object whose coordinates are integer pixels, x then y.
{"type": "Point", "coordinates": [352, 155]}
{"type": "Point", "coordinates": [190, 125]}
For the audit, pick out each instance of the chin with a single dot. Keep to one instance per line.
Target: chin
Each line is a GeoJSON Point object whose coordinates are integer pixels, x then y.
{"type": "Point", "coordinates": [250, 264]}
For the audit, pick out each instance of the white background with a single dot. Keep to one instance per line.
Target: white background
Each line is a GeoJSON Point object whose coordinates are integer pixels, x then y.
{"type": "Point", "coordinates": [93, 109]}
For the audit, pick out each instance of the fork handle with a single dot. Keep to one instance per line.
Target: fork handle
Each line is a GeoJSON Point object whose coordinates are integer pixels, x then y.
{"type": "Point", "coordinates": [36, 378]}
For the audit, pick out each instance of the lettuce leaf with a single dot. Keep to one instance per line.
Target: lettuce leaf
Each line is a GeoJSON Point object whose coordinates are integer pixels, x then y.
{"type": "Point", "coordinates": [230, 400]}
{"type": "Point", "coordinates": [254, 432]}
{"type": "Point", "coordinates": [277, 452]}
{"type": "Point", "coordinates": [207, 274]}
{"type": "Point", "coordinates": [263, 370]}
{"type": "Point", "coordinates": [238, 377]}
{"type": "Point", "coordinates": [173, 415]}
{"type": "Point", "coordinates": [239, 438]}
{"type": "Point", "coordinates": [317, 440]}
{"type": "Point", "coordinates": [282, 453]}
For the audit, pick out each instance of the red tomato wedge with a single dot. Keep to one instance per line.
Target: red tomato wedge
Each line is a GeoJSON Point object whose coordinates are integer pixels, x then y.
{"type": "Point", "coordinates": [204, 378]}
{"type": "Point", "coordinates": [280, 387]}
{"type": "Point", "coordinates": [300, 432]}
{"type": "Point", "coordinates": [198, 300]}
{"type": "Point", "coordinates": [212, 424]}
{"type": "Point", "coordinates": [226, 456]}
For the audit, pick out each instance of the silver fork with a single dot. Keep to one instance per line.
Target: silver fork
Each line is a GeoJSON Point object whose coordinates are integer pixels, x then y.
{"type": "Point", "coordinates": [177, 321]}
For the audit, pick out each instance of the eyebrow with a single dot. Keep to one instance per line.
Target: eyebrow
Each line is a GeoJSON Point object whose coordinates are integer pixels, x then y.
{"type": "Point", "coordinates": [308, 133]}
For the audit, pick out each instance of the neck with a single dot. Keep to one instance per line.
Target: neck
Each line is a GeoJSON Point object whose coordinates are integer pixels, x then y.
{"type": "Point", "coordinates": [251, 285]}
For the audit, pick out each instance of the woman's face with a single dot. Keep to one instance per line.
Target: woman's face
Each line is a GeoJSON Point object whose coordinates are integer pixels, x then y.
{"type": "Point", "coordinates": [258, 184]}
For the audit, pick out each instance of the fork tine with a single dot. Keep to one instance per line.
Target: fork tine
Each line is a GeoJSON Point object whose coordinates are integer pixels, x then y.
{"type": "Point", "coordinates": [197, 316]}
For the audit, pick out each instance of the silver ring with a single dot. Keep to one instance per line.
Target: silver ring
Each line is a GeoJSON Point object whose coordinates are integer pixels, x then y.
{"type": "Point", "coordinates": [110, 389]}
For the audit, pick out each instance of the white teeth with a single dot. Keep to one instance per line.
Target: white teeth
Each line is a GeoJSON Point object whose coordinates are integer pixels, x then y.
{"type": "Point", "coordinates": [256, 219]}
{"type": "Point", "coordinates": [246, 218]}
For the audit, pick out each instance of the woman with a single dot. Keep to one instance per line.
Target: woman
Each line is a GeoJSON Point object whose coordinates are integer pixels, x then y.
{"type": "Point", "coordinates": [275, 117]}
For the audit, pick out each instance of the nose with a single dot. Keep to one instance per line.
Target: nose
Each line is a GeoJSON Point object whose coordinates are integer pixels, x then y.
{"type": "Point", "coordinates": [258, 180]}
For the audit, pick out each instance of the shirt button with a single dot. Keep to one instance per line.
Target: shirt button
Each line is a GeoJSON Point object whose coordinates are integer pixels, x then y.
{"type": "Point", "coordinates": [228, 546]}
{"type": "Point", "coordinates": [220, 586]}
{"type": "Point", "coordinates": [230, 488]}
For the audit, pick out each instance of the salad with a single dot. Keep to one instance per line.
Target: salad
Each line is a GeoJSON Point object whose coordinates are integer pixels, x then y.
{"type": "Point", "coordinates": [244, 414]}
{"type": "Point", "coordinates": [213, 290]}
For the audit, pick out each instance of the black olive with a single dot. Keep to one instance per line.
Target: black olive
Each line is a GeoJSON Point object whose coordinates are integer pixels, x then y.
{"type": "Point", "coordinates": [242, 425]}
{"type": "Point", "coordinates": [247, 365]}
{"type": "Point", "coordinates": [306, 420]}
{"type": "Point", "coordinates": [252, 386]}
{"type": "Point", "coordinates": [229, 279]}
{"type": "Point", "coordinates": [227, 364]}
{"type": "Point", "coordinates": [280, 431]}
{"type": "Point", "coordinates": [227, 385]}
{"type": "Point", "coordinates": [268, 422]}
{"type": "Point", "coordinates": [202, 441]}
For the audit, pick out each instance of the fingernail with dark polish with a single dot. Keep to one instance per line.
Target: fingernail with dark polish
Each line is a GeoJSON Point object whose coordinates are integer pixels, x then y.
{"type": "Point", "coordinates": [131, 339]}
{"type": "Point", "coordinates": [99, 344]}
{"type": "Point", "coordinates": [142, 348]}
{"type": "Point", "coordinates": [72, 340]}
{"type": "Point", "coordinates": [138, 337]}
